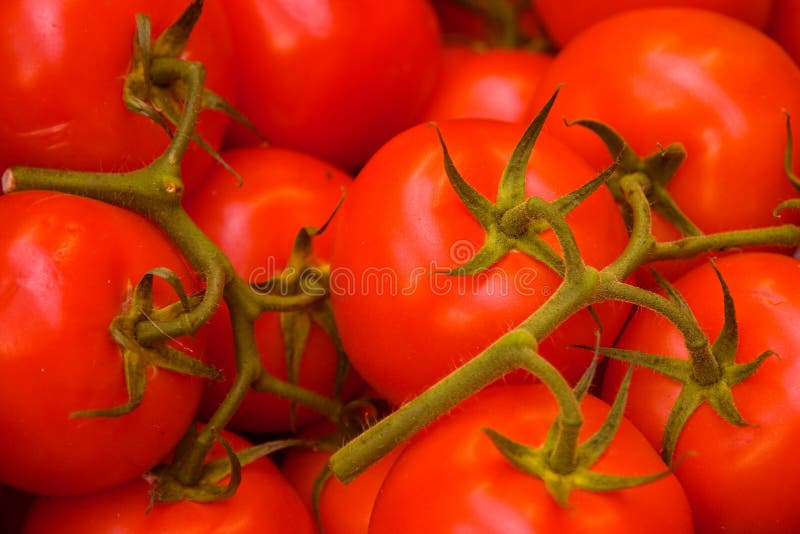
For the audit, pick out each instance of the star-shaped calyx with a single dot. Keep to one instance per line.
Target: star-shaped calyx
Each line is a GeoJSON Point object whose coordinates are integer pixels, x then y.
{"type": "Point", "coordinates": [508, 222]}
{"type": "Point", "coordinates": [137, 357]}
{"type": "Point", "coordinates": [656, 170]}
{"type": "Point", "coordinates": [709, 374]}
{"type": "Point", "coordinates": [564, 465]}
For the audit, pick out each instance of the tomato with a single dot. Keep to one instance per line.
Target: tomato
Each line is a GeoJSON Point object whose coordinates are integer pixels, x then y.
{"type": "Point", "coordinates": [661, 76]}
{"type": "Point", "coordinates": [566, 19]}
{"type": "Point", "coordinates": [451, 477]}
{"type": "Point", "coordinates": [63, 68]}
{"type": "Point", "coordinates": [333, 78]}
{"type": "Point", "coordinates": [738, 479]}
{"type": "Point", "coordinates": [782, 25]}
{"type": "Point", "coordinates": [264, 502]}
{"type": "Point", "coordinates": [343, 509]}
{"type": "Point", "coordinates": [67, 268]}
{"type": "Point", "coordinates": [403, 323]}
{"type": "Point", "coordinates": [490, 84]}
{"type": "Point", "coordinates": [255, 225]}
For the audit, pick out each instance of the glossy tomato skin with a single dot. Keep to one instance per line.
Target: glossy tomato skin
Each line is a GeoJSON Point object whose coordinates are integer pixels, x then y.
{"type": "Point", "coordinates": [489, 84]}
{"type": "Point", "coordinates": [738, 479]}
{"type": "Point", "coordinates": [67, 268]}
{"type": "Point", "coordinates": [255, 226]}
{"type": "Point", "coordinates": [451, 478]}
{"type": "Point", "coordinates": [403, 323]}
{"type": "Point", "coordinates": [343, 508]}
{"type": "Point", "coordinates": [333, 78]}
{"type": "Point", "coordinates": [661, 76]}
{"type": "Point", "coordinates": [264, 503]}
{"type": "Point", "coordinates": [63, 69]}
{"type": "Point", "coordinates": [566, 19]}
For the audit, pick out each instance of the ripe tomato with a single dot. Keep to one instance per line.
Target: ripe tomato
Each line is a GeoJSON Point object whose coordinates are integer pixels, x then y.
{"type": "Point", "coordinates": [490, 84]}
{"type": "Point", "coordinates": [333, 78]}
{"type": "Point", "coordinates": [63, 68]}
{"type": "Point", "coordinates": [67, 268]}
{"type": "Point", "coordinates": [403, 323]}
{"type": "Point", "coordinates": [783, 24]}
{"type": "Point", "coordinates": [343, 509]}
{"type": "Point", "coordinates": [564, 19]}
{"type": "Point", "coordinates": [739, 479]}
{"type": "Point", "coordinates": [264, 502]}
{"type": "Point", "coordinates": [255, 225]}
{"type": "Point", "coordinates": [451, 478]}
{"type": "Point", "coordinates": [660, 76]}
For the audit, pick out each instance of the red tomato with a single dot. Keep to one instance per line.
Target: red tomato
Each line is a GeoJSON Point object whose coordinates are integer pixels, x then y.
{"type": "Point", "coordinates": [255, 225]}
{"type": "Point", "coordinates": [343, 509]}
{"type": "Point", "coordinates": [564, 19]}
{"type": "Point", "coordinates": [333, 78]}
{"type": "Point", "coordinates": [489, 84]}
{"type": "Point", "coordinates": [63, 68]}
{"type": "Point", "coordinates": [783, 26]}
{"type": "Point", "coordinates": [740, 479]}
{"type": "Point", "coordinates": [451, 478]}
{"type": "Point", "coordinates": [264, 502]}
{"type": "Point", "coordinates": [661, 76]}
{"type": "Point", "coordinates": [67, 268]}
{"type": "Point", "coordinates": [403, 324]}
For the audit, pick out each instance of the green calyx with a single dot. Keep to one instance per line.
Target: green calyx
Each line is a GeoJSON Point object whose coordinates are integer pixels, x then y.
{"type": "Point", "coordinates": [657, 169]}
{"type": "Point", "coordinates": [513, 222]}
{"type": "Point", "coordinates": [169, 488]}
{"type": "Point", "coordinates": [137, 357]}
{"type": "Point", "coordinates": [708, 376]}
{"type": "Point", "coordinates": [561, 475]}
{"type": "Point", "coordinates": [304, 277]}
{"type": "Point", "coordinates": [161, 98]}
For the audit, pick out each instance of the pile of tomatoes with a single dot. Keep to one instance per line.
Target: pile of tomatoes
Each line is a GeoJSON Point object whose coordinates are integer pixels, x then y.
{"type": "Point", "coordinates": [364, 148]}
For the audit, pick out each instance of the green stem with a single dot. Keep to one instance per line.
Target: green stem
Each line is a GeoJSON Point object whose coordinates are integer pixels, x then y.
{"type": "Point", "coordinates": [705, 366]}
{"type": "Point", "coordinates": [267, 383]}
{"type": "Point", "coordinates": [188, 467]}
{"type": "Point", "coordinates": [165, 70]}
{"type": "Point", "coordinates": [641, 239]}
{"type": "Point", "coordinates": [574, 265]}
{"type": "Point", "coordinates": [512, 351]}
{"type": "Point", "coordinates": [787, 235]}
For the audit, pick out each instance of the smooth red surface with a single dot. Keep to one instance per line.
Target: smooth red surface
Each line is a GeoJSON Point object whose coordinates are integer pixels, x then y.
{"type": "Point", "coordinates": [67, 267]}
{"type": "Point", "coordinates": [333, 78]}
{"type": "Point", "coordinates": [564, 19]}
{"type": "Point", "coordinates": [489, 84]}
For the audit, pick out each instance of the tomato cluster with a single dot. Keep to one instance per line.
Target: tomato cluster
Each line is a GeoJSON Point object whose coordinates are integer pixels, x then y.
{"type": "Point", "coordinates": [390, 267]}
